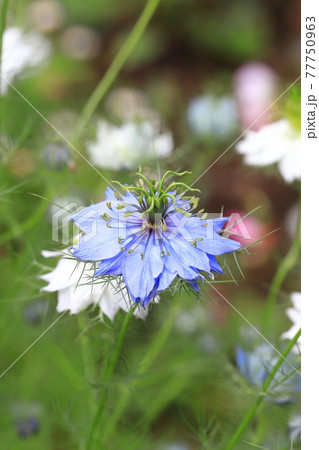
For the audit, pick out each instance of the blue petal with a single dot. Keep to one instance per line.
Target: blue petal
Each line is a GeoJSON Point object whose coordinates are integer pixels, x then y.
{"type": "Point", "coordinates": [139, 272]}
{"type": "Point", "coordinates": [104, 244]}
{"type": "Point", "coordinates": [214, 264]}
{"type": "Point", "coordinates": [112, 266]}
{"type": "Point", "coordinates": [180, 262]}
{"type": "Point", "coordinates": [146, 299]}
{"type": "Point", "coordinates": [193, 229]}
{"type": "Point", "coordinates": [219, 223]}
{"type": "Point", "coordinates": [242, 361]}
{"type": "Point", "coordinates": [166, 278]}
{"type": "Point", "coordinates": [194, 287]}
{"type": "Point", "coordinates": [86, 218]}
{"type": "Point", "coordinates": [187, 254]}
{"type": "Point", "coordinates": [216, 244]}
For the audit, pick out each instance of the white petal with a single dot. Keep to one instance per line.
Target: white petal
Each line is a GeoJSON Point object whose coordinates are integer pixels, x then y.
{"type": "Point", "coordinates": [268, 145]}
{"type": "Point", "coordinates": [124, 146]}
{"type": "Point", "coordinates": [109, 307]}
{"type": "Point", "coordinates": [74, 299]}
{"type": "Point", "coordinates": [290, 165]}
{"type": "Point", "coordinates": [68, 272]}
{"type": "Point", "coordinates": [296, 300]}
{"type": "Point", "coordinates": [50, 254]}
{"type": "Point", "coordinates": [295, 316]}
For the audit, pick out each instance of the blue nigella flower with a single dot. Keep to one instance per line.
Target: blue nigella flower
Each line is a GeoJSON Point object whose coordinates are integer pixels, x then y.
{"type": "Point", "coordinates": [27, 427]}
{"type": "Point", "coordinates": [57, 156]}
{"type": "Point", "coordinates": [256, 366]}
{"type": "Point", "coordinates": [150, 237]}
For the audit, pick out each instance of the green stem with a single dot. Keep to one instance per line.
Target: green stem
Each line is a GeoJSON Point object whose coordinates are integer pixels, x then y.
{"type": "Point", "coordinates": [263, 393]}
{"type": "Point", "coordinates": [109, 373]}
{"type": "Point", "coordinates": [119, 343]}
{"type": "Point", "coordinates": [115, 66]}
{"type": "Point", "coordinates": [86, 354]}
{"type": "Point", "coordinates": [145, 365]}
{"type": "Point", "coordinates": [287, 264]}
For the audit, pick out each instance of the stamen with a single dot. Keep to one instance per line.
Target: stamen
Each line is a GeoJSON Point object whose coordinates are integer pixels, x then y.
{"type": "Point", "coordinates": [105, 216]}
{"type": "Point", "coordinates": [117, 196]}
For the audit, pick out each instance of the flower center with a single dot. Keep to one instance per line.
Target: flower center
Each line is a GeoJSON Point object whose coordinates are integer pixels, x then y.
{"type": "Point", "coordinates": [155, 201]}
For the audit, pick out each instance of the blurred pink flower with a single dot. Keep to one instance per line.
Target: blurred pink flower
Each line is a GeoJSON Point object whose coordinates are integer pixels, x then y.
{"type": "Point", "coordinates": [255, 86]}
{"type": "Point", "coordinates": [247, 231]}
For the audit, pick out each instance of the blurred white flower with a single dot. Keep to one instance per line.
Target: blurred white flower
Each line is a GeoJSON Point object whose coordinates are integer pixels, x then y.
{"type": "Point", "coordinates": [72, 280]}
{"type": "Point", "coordinates": [274, 142]}
{"type": "Point", "coordinates": [294, 315]}
{"type": "Point", "coordinates": [19, 52]}
{"type": "Point", "coordinates": [210, 115]}
{"type": "Point", "coordinates": [188, 321]}
{"type": "Point", "coordinates": [294, 427]}
{"type": "Point", "coordinates": [124, 146]}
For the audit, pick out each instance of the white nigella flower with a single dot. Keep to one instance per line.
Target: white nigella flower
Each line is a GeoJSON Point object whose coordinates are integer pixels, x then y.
{"type": "Point", "coordinates": [71, 280]}
{"type": "Point", "coordinates": [19, 52]}
{"type": "Point", "coordinates": [124, 146]}
{"type": "Point", "coordinates": [209, 115]}
{"type": "Point", "coordinates": [274, 142]}
{"type": "Point", "coordinates": [294, 315]}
